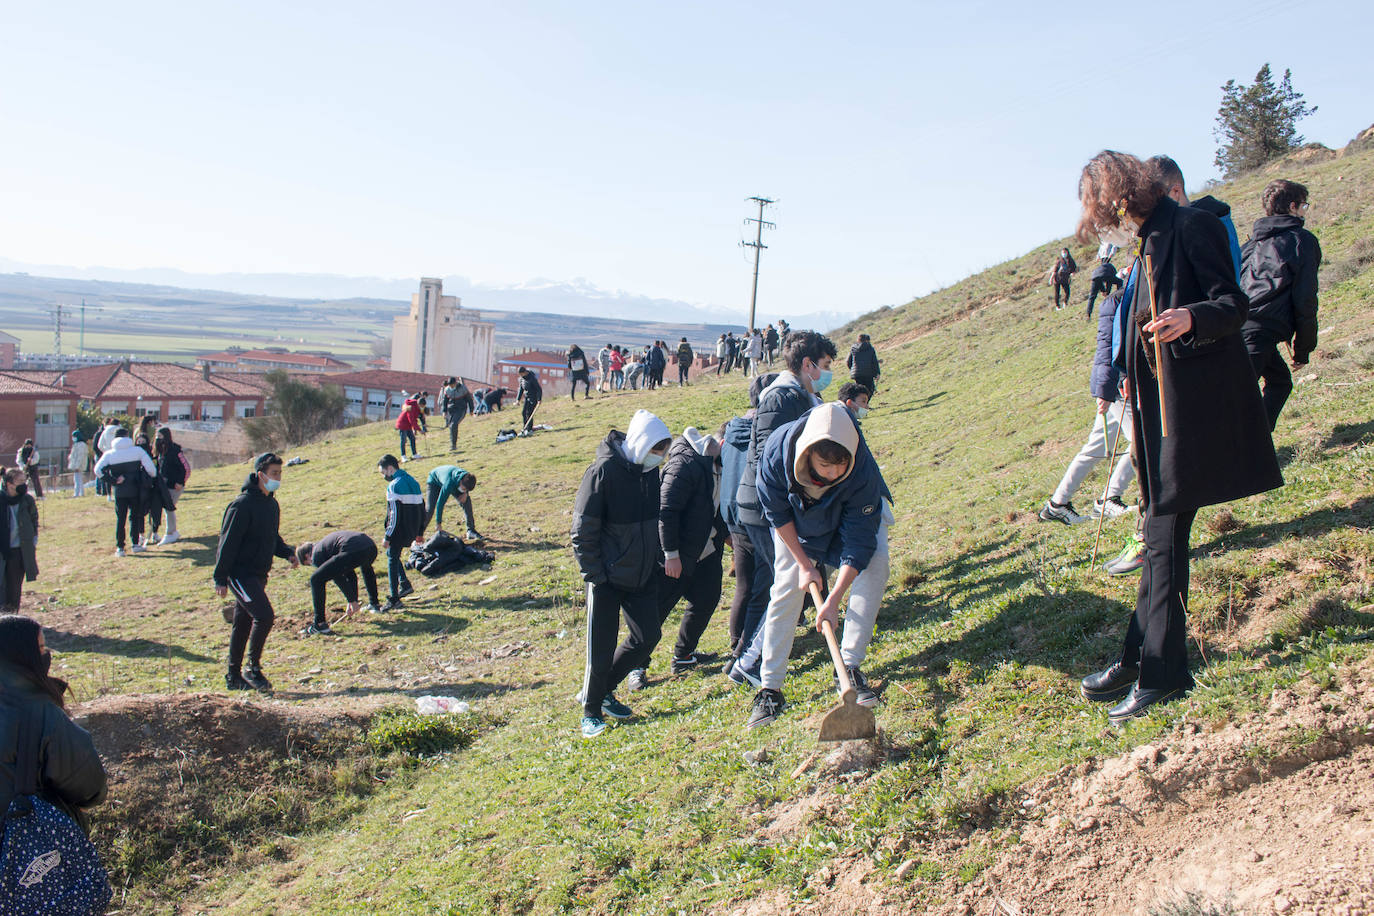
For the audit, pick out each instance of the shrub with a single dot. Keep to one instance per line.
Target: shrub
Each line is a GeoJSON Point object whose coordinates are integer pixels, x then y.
{"type": "Point", "coordinates": [407, 732]}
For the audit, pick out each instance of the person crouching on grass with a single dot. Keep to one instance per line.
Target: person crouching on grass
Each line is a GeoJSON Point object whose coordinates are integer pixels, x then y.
{"type": "Point", "coordinates": [338, 557]}
{"type": "Point", "coordinates": [248, 540]}
{"type": "Point", "coordinates": [615, 541]}
{"type": "Point", "coordinates": [822, 495]}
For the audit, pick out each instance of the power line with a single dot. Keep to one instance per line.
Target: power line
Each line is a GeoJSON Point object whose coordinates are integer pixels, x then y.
{"type": "Point", "coordinates": [758, 247]}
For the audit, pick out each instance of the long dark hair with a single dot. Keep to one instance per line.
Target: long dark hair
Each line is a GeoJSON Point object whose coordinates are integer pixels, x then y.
{"type": "Point", "coordinates": [162, 440]}
{"type": "Point", "coordinates": [25, 451]}
{"type": "Point", "coordinates": [19, 650]}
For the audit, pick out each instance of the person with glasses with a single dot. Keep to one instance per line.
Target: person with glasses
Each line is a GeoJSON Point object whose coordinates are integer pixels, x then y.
{"type": "Point", "coordinates": [1279, 274]}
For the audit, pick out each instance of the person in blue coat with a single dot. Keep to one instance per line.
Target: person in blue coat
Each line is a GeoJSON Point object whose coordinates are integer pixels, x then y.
{"type": "Point", "coordinates": [822, 494]}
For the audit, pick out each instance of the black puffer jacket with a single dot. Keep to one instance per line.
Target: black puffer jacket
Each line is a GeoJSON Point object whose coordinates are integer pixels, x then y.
{"type": "Point", "coordinates": [615, 520]}
{"type": "Point", "coordinates": [687, 513]}
{"type": "Point", "coordinates": [1279, 274]}
{"type": "Point", "coordinates": [70, 775]}
{"type": "Point", "coordinates": [863, 360]}
{"type": "Point", "coordinates": [248, 536]}
{"type": "Point", "coordinates": [780, 404]}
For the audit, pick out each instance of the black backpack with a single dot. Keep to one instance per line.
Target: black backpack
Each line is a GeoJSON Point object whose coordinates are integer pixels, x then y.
{"type": "Point", "coordinates": [47, 864]}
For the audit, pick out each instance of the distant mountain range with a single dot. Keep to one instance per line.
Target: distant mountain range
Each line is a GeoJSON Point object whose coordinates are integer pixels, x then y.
{"type": "Point", "coordinates": [577, 297]}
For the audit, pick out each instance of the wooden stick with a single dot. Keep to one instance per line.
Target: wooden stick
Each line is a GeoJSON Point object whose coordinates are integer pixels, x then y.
{"type": "Point", "coordinates": [1111, 465]}
{"type": "Point", "coordinates": [1159, 357]}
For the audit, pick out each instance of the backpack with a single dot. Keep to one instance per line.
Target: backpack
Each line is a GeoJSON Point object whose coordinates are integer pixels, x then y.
{"type": "Point", "coordinates": [47, 864]}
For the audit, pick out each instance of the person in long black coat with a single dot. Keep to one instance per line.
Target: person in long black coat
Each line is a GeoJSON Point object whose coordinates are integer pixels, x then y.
{"type": "Point", "coordinates": [1218, 446]}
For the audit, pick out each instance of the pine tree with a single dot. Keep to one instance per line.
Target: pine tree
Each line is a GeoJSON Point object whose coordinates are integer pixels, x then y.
{"type": "Point", "coordinates": [1258, 123]}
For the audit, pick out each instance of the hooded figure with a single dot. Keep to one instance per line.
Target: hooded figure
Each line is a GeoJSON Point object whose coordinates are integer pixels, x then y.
{"type": "Point", "coordinates": [615, 541]}
{"type": "Point", "coordinates": [128, 470]}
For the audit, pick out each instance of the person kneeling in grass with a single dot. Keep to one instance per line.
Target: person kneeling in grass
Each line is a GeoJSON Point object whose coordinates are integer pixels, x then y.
{"type": "Point", "coordinates": [337, 556]}
{"type": "Point", "coordinates": [822, 494]}
{"type": "Point", "coordinates": [615, 541]}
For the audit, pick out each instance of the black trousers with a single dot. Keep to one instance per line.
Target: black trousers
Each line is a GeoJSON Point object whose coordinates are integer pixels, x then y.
{"type": "Point", "coordinates": [581, 376]}
{"type": "Point", "coordinates": [1100, 288]}
{"type": "Point", "coordinates": [682, 373]}
{"type": "Point", "coordinates": [761, 583]}
{"type": "Point", "coordinates": [702, 591]}
{"type": "Point", "coordinates": [253, 618]}
{"type": "Point", "coordinates": [607, 663]}
{"type": "Point", "coordinates": [35, 473]}
{"type": "Point", "coordinates": [868, 381]}
{"type": "Point", "coordinates": [1058, 288]}
{"type": "Point", "coordinates": [339, 569]}
{"type": "Point", "coordinates": [395, 569]}
{"type": "Point", "coordinates": [432, 503]}
{"type": "Point", "coordinates": [1157, 638]}
{"type": "Point", "coordinates": [1272, 371]}
{"type": "Point", "coordinates": [526, 413]}
{"type": "Point", "coordinates": [129, 513]}
{"type": "Point", "coordinates": [14, 579]}
{"type": "Point", "coordinates": [743, 550]}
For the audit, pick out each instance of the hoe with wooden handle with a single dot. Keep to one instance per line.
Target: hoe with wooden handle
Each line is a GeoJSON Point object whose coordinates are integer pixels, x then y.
{"type": "Point", "coordinates": [849, 721]}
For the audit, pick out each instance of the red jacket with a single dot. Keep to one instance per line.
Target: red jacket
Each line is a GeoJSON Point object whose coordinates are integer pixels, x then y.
{"type": "Point", "coordinates": [410, 415]}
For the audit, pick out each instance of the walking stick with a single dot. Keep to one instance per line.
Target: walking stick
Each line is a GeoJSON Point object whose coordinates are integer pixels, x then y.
{"type": "Point", "coordinates": [1159, 358]}
{"type": "Point", "coordinates": [1111, 464]}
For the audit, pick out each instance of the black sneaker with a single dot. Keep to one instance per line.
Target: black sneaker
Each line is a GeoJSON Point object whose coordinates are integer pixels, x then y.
{"type": "Point", "coordinates": [742, 675]}
{"type": "Point", "coordinates": [258, 681]}
{"type": "Point", "coordinates": [614, 708]}
{"type": "Point", "coordinates": [637, 679]}
{"type": "Point", "coordinates": [406, 589]}
{"type": "Point", "coordinates": [691, 662]}
{"type": "Point", "coordinates": [234, 681]}
{"type": "Point", "coordinates": [392, 604]}
{"type": "Point", "coordinates": [768, 705]}
{"type": "Point", "coordinates": [1055, 512]}
{"type": "Point", "coordinates": [318, 629]}
{"type": "Point", "coordinates": [863, 694]}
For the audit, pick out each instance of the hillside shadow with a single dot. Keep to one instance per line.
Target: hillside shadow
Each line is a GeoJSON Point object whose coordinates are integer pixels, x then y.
{"type": "Point", "coordinates": [64, 641]}
{"type": "Point", "coordinates": [463, 690]}
{"type": "Point", "coordinates": [1348, 434]}
{"type": "Point", "coordinates": [413, 622]}
{"type": "Point", "coordinates": [929, 400]}
{"type": "Point", "coordinates": [1360, 513]}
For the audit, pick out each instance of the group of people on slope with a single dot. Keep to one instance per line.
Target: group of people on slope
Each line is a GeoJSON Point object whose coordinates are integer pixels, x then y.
{"type": "Point", "coordinates": [250, 537]}
{"type": "Point", "coordinates": [790, 486]}
{"type": "Point", "coordinates": [145, 478]}
{"type": "Point", "coordinates": [1276, 269]}
{"type": "Point", "coordinates": [752, 351]}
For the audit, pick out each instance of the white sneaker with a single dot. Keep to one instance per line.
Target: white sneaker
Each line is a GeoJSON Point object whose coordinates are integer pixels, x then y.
{"type": "Point", "coordinates": [119, 551]}
{"type": "Point", "coordinates": [170, 537]}
{"type": "Point", "coordinates": [138, 548]}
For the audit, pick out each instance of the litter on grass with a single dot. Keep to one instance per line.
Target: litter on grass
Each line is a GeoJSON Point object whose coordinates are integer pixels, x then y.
{"type": "Point", "coordinates": [439, 706]}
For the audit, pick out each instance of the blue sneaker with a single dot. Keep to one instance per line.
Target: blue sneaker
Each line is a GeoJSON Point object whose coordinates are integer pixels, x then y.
{"type": "Point", "coordinates": [742, 675]}
{"type": "Point", "coordinates": [614, 708]}
{"type": "Point", "coordinates": [592, 726]}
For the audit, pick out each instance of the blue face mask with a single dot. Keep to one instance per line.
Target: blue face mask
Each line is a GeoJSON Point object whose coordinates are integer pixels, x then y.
{"type": "Point", "coordinates": [860, 412]}
{"type": "Point", "coordinates": [269, 484]}
{"type": "Point", "coordinates": [824, 381]}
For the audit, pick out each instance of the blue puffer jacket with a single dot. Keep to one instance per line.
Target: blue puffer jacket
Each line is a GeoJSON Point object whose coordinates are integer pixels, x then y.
{"type": "Point", "coordinates": [734, 456]}
{"type": "Point", "coordinates": [840, 528]}
{"type": "Point", "coordinates": [1105, 380]}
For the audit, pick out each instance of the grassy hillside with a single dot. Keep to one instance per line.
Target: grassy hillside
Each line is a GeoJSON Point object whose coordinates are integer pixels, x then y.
{"type": "Point", "coordinates": [990, 619]}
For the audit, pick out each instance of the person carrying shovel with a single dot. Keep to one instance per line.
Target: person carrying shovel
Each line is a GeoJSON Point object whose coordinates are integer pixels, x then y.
{"type": "Point", "coordinates": [822, 496]}
{"type": "Point", "coordinates": [530, 394]}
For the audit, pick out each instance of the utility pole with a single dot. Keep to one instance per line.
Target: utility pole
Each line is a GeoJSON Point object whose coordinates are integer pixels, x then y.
{"type": "Point", "coordinates": [758, 247]}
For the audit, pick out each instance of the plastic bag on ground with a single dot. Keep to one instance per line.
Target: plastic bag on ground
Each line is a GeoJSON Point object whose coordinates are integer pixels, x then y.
{"type": "Point", "coordinates": [438, 706]}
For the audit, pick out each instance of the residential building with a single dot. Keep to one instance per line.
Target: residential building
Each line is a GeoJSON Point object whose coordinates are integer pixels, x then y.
{"type": "Point", "coordinates": [552, 369]}
{"type": "Point", "coordinates": [165, 391]}
{"type": "Point", "coordinates": [31, 409]}
{"type": "Point", "coordinates": [440, 337]}
{"type": "Point", "coordinates": [270, 359]}
{"type": "Point", "coordinates": [9, 350]}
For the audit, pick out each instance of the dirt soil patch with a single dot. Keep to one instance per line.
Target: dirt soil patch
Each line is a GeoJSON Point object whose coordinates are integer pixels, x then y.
{"type": "Point", "coordinates": [1270, 814]}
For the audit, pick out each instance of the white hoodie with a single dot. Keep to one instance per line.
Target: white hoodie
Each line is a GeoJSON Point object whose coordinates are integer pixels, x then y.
{"type": "Point", "coordinates": [646, 431]}
{"type": "Point", "coordinates": [123, 452]}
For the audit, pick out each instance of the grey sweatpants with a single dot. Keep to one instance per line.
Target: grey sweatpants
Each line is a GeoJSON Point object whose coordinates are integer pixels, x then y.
{"type": "Point", "coordinates": [1096, 449]}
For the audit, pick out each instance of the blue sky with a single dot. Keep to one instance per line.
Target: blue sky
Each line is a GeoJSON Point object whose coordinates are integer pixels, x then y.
{"type": "Point", "coordinates": [908, 143]}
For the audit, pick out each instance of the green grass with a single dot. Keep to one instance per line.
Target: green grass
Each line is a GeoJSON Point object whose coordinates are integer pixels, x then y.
{"type": "Point", "coordinates": [989, 621]}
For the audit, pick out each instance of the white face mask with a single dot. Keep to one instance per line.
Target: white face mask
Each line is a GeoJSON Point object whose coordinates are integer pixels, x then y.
{"type": "Point", "coordinates": [651, 461]}
{"type": "Point", "coordinates": [1122, 235]}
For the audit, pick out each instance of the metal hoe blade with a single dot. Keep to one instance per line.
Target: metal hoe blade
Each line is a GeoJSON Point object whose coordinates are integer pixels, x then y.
{"type": "Point", "coordinates": [849, 721]}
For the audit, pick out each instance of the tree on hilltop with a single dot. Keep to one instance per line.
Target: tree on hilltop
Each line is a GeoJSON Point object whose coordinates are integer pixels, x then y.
{"type": "Point", "coordinates": [297, 412]}
{"type": "Point", "coordinates": [1258, 123]}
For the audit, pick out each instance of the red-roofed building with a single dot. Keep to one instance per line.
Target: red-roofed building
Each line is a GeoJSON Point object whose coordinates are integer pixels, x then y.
{"type": "Point", "coordinates": [551, 368]}
{"type": "Point", "coordinates": [165, 391]}
{"type": "Point", "coordinates": [378, 394]}
{"type": "Point", "coordinates": [9, 349]}
{"type": "Point", "coordinates": [271, 359]}
{"type": "Point", "coordinates": [31, 409]}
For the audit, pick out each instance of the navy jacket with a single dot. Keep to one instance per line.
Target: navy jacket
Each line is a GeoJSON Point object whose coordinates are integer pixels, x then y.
{"type": "Point", "coordinates": [734, 457]}
{"type": "Point", "coordinates": [778, 405]}
{"type": "Point", "coordinates": [841, 528]}
{"type": "Point", "coordinates": [687, 515]}
{"type": "Point", "coordinates": [1105, 382]}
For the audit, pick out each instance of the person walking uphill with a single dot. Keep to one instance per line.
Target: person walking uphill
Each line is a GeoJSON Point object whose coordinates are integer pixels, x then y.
{"type": "Point", "coordinates": [336, 556]}
{"type": "Point", "coordinates": [48, 754]}
{"type": "Point", "coordinates": [1061, 274]}
{"type": "Point", "coordinates": [127, 470]}
{"type": "Point", "coordinates": [578, 372]}
{"type": "Point", "coordinates": [1104, 279]}
{"type": "Point", "coordinates": [456, 401]}
{"type": "Point", "coordinates": [444, 481]}
{"type": "Point", "coordinates": [78, 458]}
{"type": "Point", "coordinates": [18, 537]}
{"type": "Point", "coordinates": [249, 537]}
{"type": "Point", "coordinates": [615, 542]}
{"type": "Point", "coordinates": [529, 395]}
{"type": "Point", "coordinates": [1201, 435]}
{"type": "Point", "coordinates": [405, 515]}
{"type": "Point", "coordinates": [822, 494]}
{"type": "Point", "coordinates": [863, 364]}
{"type": "Point", "coordinates": [1279, 274]}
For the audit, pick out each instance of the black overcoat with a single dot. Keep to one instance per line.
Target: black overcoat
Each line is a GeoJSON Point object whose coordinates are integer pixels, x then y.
{"type": "Point", "coordinates": [1218, 448]}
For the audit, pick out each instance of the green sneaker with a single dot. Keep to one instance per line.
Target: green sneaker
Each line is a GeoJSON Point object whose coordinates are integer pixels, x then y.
{"type": "Point", "coordinates": [1131, 558]}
